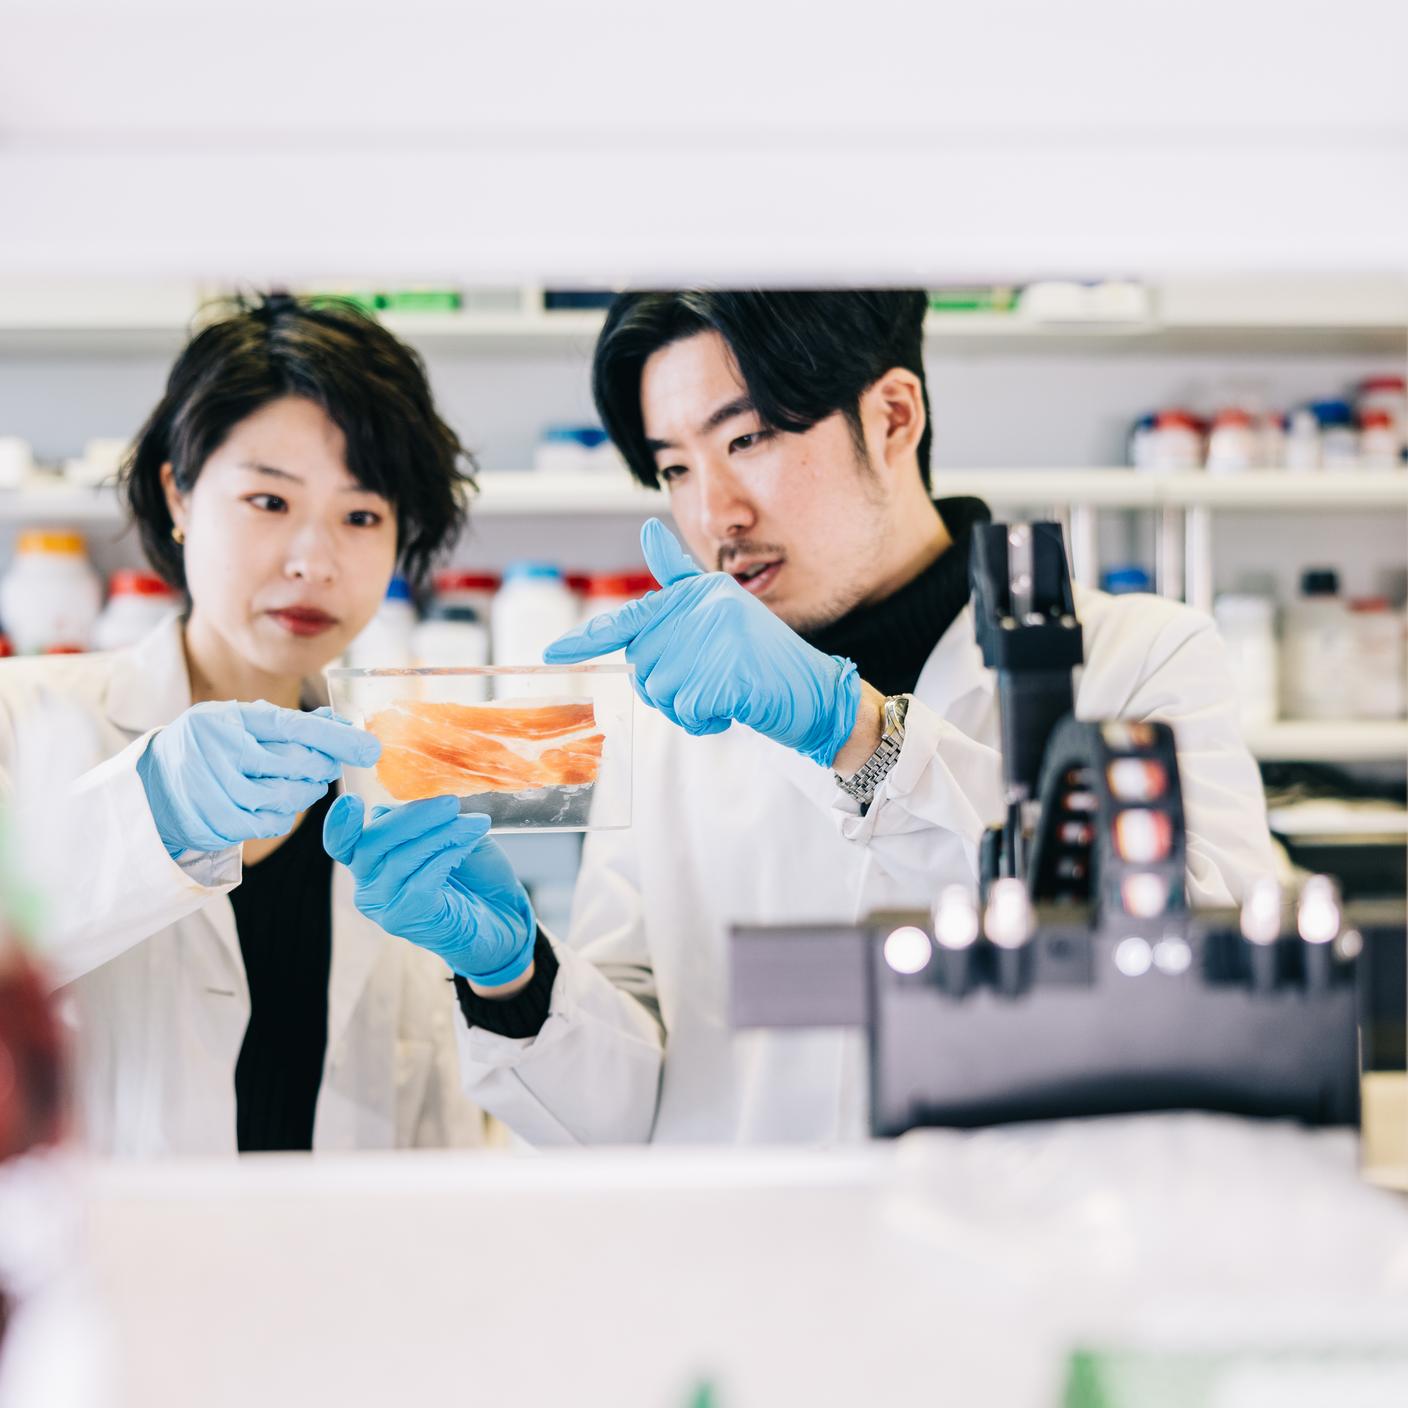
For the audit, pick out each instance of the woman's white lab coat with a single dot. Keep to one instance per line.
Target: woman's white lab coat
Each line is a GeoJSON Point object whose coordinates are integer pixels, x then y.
{"type": "Point", "coordinates": [735, 829]}
{"type": "Point", "coordinates": [145, 954]}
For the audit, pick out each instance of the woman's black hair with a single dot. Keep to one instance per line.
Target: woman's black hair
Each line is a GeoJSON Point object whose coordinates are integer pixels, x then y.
{"type": "Point", "coordinates": [803, 355]}
{"type": "Point", "coordinates": [371, 385]}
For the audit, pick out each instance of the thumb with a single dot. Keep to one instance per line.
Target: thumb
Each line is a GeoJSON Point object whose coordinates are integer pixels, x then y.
{"type": "Point", "coordinates": [668, 561]}
{"type": "Point", "coordinates": [342, 828]}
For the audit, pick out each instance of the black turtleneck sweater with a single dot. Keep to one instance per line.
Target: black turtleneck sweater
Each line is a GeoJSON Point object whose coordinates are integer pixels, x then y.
{"type": "Point", "coordinates": [889, 641]}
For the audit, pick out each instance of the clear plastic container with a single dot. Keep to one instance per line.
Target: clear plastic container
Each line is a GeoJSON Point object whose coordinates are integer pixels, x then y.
{"type": "Point", "coordinates": [551, 751]}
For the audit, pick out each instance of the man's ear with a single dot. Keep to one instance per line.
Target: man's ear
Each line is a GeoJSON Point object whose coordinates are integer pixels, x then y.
{"type": "Point", "coordinates": [175, 499]}
{"type": "Point", "coordinates": [893, 415]}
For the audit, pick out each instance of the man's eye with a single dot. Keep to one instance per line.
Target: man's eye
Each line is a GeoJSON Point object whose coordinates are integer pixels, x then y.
{"type": "Point", "coordinates": [747, 442]}
{"type": "Point", "coordinates": [363, 518]}
{"type": "Point", "coordinates": [270, 503]}
{"type": "Point", "coordinates": [671, 472]}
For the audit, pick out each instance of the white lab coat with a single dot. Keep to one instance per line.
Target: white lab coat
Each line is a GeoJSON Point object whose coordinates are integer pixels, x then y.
{"type": "Point", "coordinates": [734, 828]}
{"type": "Point", "coordinates": [145, 956]}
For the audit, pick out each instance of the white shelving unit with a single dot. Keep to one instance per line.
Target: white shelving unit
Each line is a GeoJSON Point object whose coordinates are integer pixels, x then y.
{"type": "Point", "coordinates": [975, 332]}
{"type": "Point", "coordinates": [1335, 741]}
{"type": "Point", "coordinates": [533, 494]}
{"type": "Point", "coordinates": [1367, 315]}
{"type": "Point", "coordinates": [1077, 493]}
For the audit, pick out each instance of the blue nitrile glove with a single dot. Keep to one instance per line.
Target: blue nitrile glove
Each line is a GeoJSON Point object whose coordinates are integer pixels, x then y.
{"type": "Point", "coordinates": [707, 653]}
{"type": "Point", "coordinates": [430, 875]}
{"type": "Point", "coordinates": [227, 772]}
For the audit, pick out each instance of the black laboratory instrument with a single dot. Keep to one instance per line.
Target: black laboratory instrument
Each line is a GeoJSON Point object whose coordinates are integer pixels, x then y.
{"type": "Point", "coordinates": [1078, 980]}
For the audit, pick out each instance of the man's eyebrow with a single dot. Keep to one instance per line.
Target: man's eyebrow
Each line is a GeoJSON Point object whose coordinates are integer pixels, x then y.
{"type": "Point", "coordinates": [739, 406]}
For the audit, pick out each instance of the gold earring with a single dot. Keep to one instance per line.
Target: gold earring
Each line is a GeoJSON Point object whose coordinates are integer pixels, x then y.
{"type": "Point", "coordinates": [178, 537]}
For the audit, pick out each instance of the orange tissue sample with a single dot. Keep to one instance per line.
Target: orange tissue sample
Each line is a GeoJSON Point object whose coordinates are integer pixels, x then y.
{"type": "Point", "coordinates": [430, 750]}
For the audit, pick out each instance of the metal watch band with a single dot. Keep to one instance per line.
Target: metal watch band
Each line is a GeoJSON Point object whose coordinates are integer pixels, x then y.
{"type": "Point", "coordinates": [865, 781]}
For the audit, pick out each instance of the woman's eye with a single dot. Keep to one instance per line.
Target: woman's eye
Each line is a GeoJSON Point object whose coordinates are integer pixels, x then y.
{"type": "Point", "coordinates": [363, 518]}
{"type": "Point", "coordinates": [671, 472]}
{"type": "Point", "coordinates": [269, 503]}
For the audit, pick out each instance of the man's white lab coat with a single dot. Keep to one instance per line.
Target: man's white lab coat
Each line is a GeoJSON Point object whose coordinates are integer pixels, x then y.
{"type": "Point", "coordinates": [145, 954]}
{"type": "Point", "coordinates": [734, 828]}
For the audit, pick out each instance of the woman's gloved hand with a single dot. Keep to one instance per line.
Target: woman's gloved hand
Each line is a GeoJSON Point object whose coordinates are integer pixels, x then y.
{"type": "Point", "coordinates": [707, 653]}
{"type": "Point", "coordinates": [430, 875]}
{"type": "Point", "coordinates": [226, 773]}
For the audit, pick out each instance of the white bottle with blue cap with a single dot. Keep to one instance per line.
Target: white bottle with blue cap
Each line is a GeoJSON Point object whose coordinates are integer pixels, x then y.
{"type": "Point", "coordinates": [531, 609]}
{"type": "Point", "coordinates": [385, 643]}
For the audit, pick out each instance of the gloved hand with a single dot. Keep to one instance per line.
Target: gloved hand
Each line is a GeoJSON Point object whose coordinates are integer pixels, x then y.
{"type": "Point", "coordinates": [707, 653]}
{"type": "Point", "coordinates": [430, 875]}
{"type": "Point", "coordinates": [227, 772]}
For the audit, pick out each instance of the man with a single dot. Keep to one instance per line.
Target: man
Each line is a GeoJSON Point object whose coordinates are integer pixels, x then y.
{"type": "Point", "coordinates": [821, 739]}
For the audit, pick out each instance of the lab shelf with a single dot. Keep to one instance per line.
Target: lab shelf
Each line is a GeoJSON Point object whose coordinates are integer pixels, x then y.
{"type": "Point", "coordinates": [59, 505]}
{"type": "Point", "coordinates": [527, 493]}
{"type": "Point", "coordinates": [574, 332]}
{"type": "Point", "coordinates": [1332, 741]}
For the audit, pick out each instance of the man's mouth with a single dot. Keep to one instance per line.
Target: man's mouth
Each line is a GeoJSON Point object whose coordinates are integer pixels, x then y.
{"type": "Point", "coordinates": [757, 577]}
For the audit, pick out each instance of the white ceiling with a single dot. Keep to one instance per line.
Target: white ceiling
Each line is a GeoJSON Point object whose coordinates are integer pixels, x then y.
{"type": "Point", "coordinates": [625, 140]}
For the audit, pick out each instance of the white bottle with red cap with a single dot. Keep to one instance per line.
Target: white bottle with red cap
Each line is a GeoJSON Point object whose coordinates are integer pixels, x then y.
{"type": "Point", "coordinates": [1387, 395]}
{"type": "Point", "coordinates": [607, 591]}
{"type": "Point", "coordinates": [1174, 444]}
{"type": "Point", "coordinates": [51, 596]}
{"type": "Point", "coordinates": [137, 603]}
{"type": "Point", "coordinates": [1232, 446]}
{"type": "Point", "coordinates": [1379, 444]}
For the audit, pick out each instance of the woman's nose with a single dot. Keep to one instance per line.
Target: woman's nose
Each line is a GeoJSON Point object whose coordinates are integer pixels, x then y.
{"type": "Point", "coordinates": [311, 558]}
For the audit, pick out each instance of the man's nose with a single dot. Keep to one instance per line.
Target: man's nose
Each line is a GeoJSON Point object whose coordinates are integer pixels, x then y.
{"type": "Point", "coordinates": [725, 510]}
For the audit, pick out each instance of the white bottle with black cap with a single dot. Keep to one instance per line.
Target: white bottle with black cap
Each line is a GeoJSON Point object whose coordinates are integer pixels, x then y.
{"type": "Point", "coordinates": [1318, 651]}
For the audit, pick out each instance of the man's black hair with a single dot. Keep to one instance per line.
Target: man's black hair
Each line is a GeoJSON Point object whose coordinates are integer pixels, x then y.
{"type": "Point", "coordinates": [372, 386]}
{"type": "Point", "coordinates": [803, 355]}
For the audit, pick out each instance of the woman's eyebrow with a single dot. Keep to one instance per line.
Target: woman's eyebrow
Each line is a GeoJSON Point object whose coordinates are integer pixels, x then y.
{"type": "Point", "coordinates": [270, 469]}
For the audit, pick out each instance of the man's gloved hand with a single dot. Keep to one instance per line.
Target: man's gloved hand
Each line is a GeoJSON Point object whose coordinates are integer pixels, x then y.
{"type": "Point", "coordinates": [707, 653]}
{"type": "Point", "coordinates": [227, 772]}
{"type": "Point", "coordinates": [430, 875]}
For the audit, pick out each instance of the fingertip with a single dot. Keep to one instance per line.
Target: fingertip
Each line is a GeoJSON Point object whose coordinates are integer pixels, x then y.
{"type": "Point", "coordinates": [342, 826]}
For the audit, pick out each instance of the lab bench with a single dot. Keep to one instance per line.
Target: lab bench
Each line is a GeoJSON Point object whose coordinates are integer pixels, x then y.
{"type": "Point", "coordinates": [961, 1268]}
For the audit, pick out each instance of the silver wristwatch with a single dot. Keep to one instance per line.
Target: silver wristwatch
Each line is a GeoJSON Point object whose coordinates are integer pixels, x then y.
{"type": "Point", "coordinates": [865, 781]}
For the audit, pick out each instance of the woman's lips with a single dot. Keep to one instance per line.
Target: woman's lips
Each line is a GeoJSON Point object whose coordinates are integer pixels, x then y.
{"type": "Point", "coordinates": [760, 584]}
{"type": "Point", "coordinates": [303, 621]}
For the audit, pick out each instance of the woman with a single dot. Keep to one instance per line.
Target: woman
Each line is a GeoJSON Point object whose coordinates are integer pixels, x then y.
{"type": "Point", "coordinates": [223, 989]}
